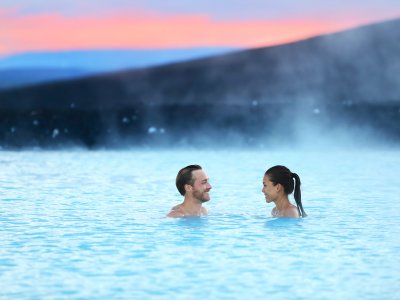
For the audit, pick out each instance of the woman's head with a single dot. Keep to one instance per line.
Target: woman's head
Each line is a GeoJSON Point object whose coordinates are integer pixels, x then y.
{"type": "Point", "coordinates": [289, 182]}
{"type": "Point", "coordinates": [281, 175]}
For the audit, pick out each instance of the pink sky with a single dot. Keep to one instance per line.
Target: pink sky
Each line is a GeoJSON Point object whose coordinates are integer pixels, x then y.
{"type": "Point", "coordinates": [51, 31]}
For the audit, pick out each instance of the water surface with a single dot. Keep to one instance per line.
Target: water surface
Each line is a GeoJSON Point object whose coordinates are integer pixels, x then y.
{"type": "Point", "coordinates": [91, 225]}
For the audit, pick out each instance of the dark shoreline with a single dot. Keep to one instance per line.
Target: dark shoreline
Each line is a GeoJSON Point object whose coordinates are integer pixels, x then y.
{"type": "Point", "coordinates": [192, 124]}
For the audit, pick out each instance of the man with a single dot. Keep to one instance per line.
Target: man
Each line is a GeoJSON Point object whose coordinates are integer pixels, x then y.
{"type": "Point", "coordinates": [192, 183]}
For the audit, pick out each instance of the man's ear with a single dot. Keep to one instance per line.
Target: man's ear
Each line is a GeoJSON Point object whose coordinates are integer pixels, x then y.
{"type": "Point", "coordinates": [188, 188]}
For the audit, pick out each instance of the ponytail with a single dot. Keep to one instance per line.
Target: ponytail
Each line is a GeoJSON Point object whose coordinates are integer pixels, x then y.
{"type": "Point", "coordinates": [297, 195]}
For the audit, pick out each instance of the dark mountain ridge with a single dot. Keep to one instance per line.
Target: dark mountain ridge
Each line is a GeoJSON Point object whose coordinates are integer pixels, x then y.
{"type": "Point", "coordinates": [351, 76]}
{"type": "Point", "coordinates": [362, 64]}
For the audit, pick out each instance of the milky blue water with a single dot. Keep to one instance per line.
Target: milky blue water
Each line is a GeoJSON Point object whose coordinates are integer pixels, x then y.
{"type": "Point", "coordinates": [91, 225]}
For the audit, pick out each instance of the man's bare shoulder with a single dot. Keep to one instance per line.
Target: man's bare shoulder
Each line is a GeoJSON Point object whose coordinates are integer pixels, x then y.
{"type": "Point", "coordinates": [204, 211]}
{"type": "Point", "coordinates": [176, 212]}
{"type": "Point", "coordinates": [177, 207]}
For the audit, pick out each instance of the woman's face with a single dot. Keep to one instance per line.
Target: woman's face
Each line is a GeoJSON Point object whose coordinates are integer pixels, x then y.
{"type": "Point", "coordinates": [269, 190]}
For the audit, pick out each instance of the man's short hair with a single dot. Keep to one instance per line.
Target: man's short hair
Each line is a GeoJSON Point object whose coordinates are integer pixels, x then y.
{"type": "Point", "coordinates": [185, 177]}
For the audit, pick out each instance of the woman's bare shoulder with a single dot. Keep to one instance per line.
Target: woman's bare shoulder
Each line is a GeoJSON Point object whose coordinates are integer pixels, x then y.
{"type": "Point", "coordinates": [291, 212]}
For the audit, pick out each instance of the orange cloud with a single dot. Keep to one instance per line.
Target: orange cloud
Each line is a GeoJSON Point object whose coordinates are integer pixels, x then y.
{"type": "Point", "coordinates": [58, 32]}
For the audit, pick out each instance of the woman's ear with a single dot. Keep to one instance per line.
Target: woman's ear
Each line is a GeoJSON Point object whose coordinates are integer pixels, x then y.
{"type": "Point", "coordinates": [278, 187]}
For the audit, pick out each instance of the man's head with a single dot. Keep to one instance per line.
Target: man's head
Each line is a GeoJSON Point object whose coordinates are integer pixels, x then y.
{"type": "Point", "coordinates": [192, 179]}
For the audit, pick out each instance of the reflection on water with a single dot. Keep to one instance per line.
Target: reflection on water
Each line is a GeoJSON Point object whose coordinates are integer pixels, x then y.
{"type": "Point", "coordinates": [92, 224]}
{"type": "Point", "coordinates": [192, 221]}
{"type": "Point", "coordinates": [286, 223]}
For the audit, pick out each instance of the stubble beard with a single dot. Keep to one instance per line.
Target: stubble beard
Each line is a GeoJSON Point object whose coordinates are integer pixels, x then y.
{"type": "Point", "coordinates": [201, 196]}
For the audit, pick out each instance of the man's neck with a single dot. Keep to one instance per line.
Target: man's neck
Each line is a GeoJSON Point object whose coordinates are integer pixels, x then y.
{"type": "Point", "coordinates": [192, 206]}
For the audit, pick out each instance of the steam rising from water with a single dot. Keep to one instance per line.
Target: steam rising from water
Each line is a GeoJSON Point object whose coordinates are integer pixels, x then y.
{"type": "Point", "coordinates": [341, 90]}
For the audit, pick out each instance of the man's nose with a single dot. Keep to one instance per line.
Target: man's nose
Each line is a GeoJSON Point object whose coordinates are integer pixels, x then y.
{"type": "Point", "coordinates": [209, 186]}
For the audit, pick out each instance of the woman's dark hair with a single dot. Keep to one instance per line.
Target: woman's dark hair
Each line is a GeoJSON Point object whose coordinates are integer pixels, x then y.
{"type": "Point", "coordinates": [283, 176]}
{"type": "Point", "coordinates": [185, 177]}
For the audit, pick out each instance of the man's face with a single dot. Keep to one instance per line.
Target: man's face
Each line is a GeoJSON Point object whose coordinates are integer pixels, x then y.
{"type": "Point", "coordinates": [201, 186]}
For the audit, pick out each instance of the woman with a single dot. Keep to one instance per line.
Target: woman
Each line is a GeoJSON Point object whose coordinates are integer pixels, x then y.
{"type": "Point", "coordinates": [277, 186]}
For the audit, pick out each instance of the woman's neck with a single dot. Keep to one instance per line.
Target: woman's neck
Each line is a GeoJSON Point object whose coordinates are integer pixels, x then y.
{"type": "Point", "coordinates": [282, 202]}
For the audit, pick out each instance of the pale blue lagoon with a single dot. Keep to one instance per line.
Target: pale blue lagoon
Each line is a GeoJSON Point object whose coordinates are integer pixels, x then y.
{"type": "Point", "coordinates": [91, 225]}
